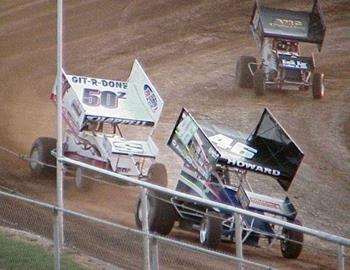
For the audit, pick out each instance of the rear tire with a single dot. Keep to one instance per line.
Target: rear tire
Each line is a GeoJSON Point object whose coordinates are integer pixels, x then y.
{"type": "Point", "coordinates": [41, 153]}
{"type": "Point", "coordinates": [292, 249]}
{"type": "Point", "coordinates": [161, 213]}
{"type": "Point", "coordinates": [157, 174]}
{"type": "Point", "coordinates": [259, 82]}
{"type": "Point", "coordinates": [243, 75]}
{"type": "Point", "coordinates": [210, 230]}
{"type": "Point", "coordinates": [318, 86]}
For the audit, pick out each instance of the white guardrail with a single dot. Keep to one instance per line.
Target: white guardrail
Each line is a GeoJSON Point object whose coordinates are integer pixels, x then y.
{"type": "Point", "coordinates": [340, 241]}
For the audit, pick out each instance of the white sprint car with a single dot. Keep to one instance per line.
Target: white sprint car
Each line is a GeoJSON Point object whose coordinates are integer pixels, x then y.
{"type": "Point", "coordinates": [109, 124]}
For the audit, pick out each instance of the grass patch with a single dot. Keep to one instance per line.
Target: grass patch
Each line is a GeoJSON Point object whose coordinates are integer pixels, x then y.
{"type": "Point", "coordinates": [18, 255]}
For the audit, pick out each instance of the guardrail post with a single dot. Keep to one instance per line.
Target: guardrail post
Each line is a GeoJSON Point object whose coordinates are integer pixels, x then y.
{"type": "Point", "coordinates": [154, 254]}
{"type": "Point", "coordinates": [341, 255]}
{"type": "Point", "coordinates": [238, 239]}
{"type": "Point", "coordinates": [145, 229]}
{"type": "Point", "coordinates": [56, 240]}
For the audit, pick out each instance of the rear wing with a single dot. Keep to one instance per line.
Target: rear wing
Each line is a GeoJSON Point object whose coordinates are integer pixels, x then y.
{"type": "Point", "coordinates": [269, 150]}
{"type": "Point", "coordinates": [267, 22]}
{"type": "Point", "coordinates": [275, 149]}
{"type": "Point", "coordinates": [134, 102]}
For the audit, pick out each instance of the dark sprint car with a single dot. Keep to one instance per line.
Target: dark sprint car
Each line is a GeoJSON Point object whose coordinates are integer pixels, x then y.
{"type": "Point", "coordinates": [277, 33]}
{"type": "Point", "coordinates": [217, 162]}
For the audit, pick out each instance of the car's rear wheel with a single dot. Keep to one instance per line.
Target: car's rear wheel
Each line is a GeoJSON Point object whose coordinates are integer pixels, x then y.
{"type": "Point", "coordinates": [318, 85]}
{"type": "Point", "coordinates": [243, 75]}
{"type": "Point", "coordinates": [210, 230]}
{"type": "Point", "coordinates": [161, 213]}
{"type": "Point", "coordinates": [41, 162]}
{"type": "Point", "coordinates": [259, 82]}
{"type": "Point", "coordinates": [292, 245]}
{"type": "Point", "coordinates": [157, 174]}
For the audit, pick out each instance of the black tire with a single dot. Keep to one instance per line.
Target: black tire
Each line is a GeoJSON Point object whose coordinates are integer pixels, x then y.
{"type": "Point", "coordinates": [292, 249]}
{"type": "Point", "coordinates": [210, 230]}
{"type": "Point", "coordinates": [81, 182]}
{"type": "Point", "coordinates": [259, 82]}
{"type": "Point", "coordinates": [243, 75]}
{"type": "Point", "coordinates": [161, 213]}
{"type": "Point", "coordinates": [318, 86]}
{"type": "Point", "coordinates": [41, 153]}
{"type": "Point", "coordinates": [157, 174]}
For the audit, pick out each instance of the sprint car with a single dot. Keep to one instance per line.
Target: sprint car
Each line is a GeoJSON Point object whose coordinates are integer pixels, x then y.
{"type": "Point", "coordinates": [102, 119]}
{"type": "Point", "coordinates": [278, 34]}
{"type": "Point", "coordinates": [218, 164]}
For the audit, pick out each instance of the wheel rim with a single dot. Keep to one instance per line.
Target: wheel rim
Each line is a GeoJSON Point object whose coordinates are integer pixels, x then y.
{"type": "Point", "coordinates": [203, 233]}
{"type": "Point", "coordinates": [322, 89]}
{"type": "Point", "coordinates": [139, 212]}
{"type": "Point", "coordinates": [284, 241]}
{"type": "Point", "coordinates": [34, 159]}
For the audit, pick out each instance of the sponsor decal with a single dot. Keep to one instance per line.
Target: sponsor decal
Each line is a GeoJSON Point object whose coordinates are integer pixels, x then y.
{"type": "Point", "coordinates": [265, 203]}
{"type": "Point", "coordinates": [242, 197]}
{"type": "Point", "coordinates": [99, 82]}
{"type": "Point", "coordinates": [72, 124]}
{"type": "Point", "coordinates": [130, 147]}
{"type": "Point", "coordinates": [122, 170]}
{"type": "Point", "coordinates": [253, 167]}
{"type": "Point", "coordinates": [287, 23]}
{"type": "Point", "coordinates": [294, 64]}
{"type": "Point", "coordinates": [76, 107]}
{"type": "Point", "coordinates": [65, 85]}
{"type": "Point", "coordinates": [86, 146]}
{"type": "Point", "coordinates": [113, 120]}
{"type": "Point", "coordinates": [150, 97]}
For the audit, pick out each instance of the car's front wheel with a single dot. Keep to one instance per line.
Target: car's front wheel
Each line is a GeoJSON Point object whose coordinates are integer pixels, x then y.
{"type": "Point", "coordinates": [318, 86]}
{"type": "Point", "coordinates": [41, 162]}
{"type": "Point", "coordinates": [161, 213]}
{"type": "Point", "coordinates": [211, 230]}
{"type": "Point", "coordinates": [243, 75]}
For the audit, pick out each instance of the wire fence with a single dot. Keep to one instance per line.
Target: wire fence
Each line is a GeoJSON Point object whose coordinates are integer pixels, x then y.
{"type": "Point", "coordinates": [123, 246]}
{"type": "Point", "coordinates": [109, 242]}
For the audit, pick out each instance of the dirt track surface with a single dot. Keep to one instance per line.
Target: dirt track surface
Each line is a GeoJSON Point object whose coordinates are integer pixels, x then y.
{"type": "Point", "coordinates": [188, 49]}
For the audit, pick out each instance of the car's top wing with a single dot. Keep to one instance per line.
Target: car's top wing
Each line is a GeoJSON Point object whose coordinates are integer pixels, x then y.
{"type": "Point", "coordinates": [192, 145]}
{"type": "Point", "coordinates": [135, 101]}
{"type": "Point", "coordinates": [288, 24]}
{"type": "Point", "coordinates": [268, 150]}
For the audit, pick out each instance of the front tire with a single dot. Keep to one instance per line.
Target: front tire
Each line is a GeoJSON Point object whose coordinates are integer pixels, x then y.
{"type": "Point", "coordinates": [259, 82]}
{"type": "Point", "coordinates": [210, 230]}
{"type": "Point", "coordinates": [41, 162]}
{"type": "Point", "coordinates": [243, 75]}
{"type": "Point", "coordinates": [161, 213]}
{"type": "Point", "coordinates": [292, 245]}
{"type": "Point", "coordinates": [318, 86]}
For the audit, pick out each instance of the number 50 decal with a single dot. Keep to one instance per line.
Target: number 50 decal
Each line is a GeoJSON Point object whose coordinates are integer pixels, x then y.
{"type": "Point", "coordinates": [108, 99]}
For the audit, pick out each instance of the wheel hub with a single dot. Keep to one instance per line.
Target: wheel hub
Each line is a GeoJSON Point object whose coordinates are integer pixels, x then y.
{"type": "Point", "coordinates": [34, 158]}
{"type": "Point", "coordinates": [203, 233]}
